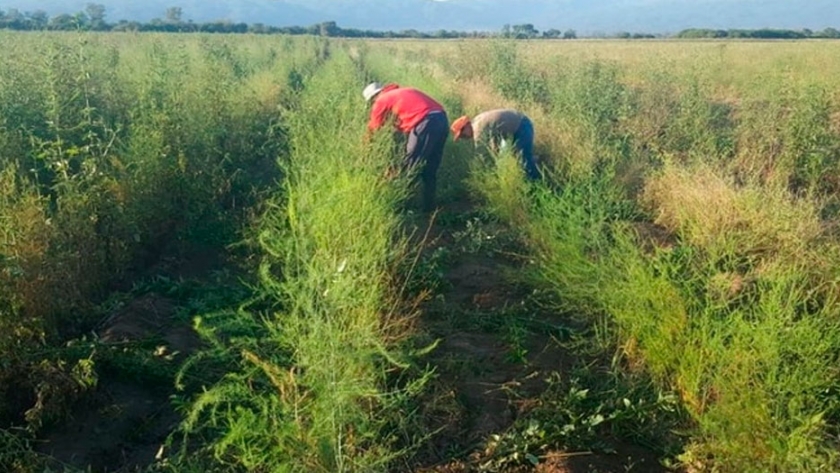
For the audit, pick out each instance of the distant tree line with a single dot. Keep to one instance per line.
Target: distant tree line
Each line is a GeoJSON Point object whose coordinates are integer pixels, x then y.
{"type": "Point", "coordinates": [764, 33]}
{"type": "Point", "coordinates": [93, 18]}
{"type": "Point", "coordinates": [527, 31]}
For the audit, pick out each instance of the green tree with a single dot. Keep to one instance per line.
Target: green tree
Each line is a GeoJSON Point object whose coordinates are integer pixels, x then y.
{"type": "Point", "coordinates": [506, 31]}
{"type": "Point", "coordinates": [38, 20]}
{"type": "Point", "coordinates": [13, 19]}
{"type": "Point", "coordinates": [258, 28]}
{"type": "Point", "coordinates": [62, 22]}
{"type": "Point", "coordinates": [96, 16]}
{"type": "Point", "coordinates": [525, 31]}
{"type": "Point", "coordinates": [125, 25]}
{"type": "Point", "coordinates": [329, 28]}
{"type": "Point", "coordinates": [174, 15]}
{"type": "Point", "coordinates": [570, 34]}
{"type": "Point", "coordinates": [829, 33]}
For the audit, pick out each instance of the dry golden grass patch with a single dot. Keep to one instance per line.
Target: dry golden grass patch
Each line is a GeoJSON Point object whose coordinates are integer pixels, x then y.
{"type": "Point", "coordinates": [709, 211]}
{"type": "Point", "coordinates": [265, 89]}
{"type": "Point", "coordinates": [24, 243]}
{"type": "Point", "coordinates": [759, 143]}
{"type": "Point", "coordinates": [477, 95]}
{"type": "Point", "coordinates": [835, 122]}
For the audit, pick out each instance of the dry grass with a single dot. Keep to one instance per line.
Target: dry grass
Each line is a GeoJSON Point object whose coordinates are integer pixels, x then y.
{"type": "Point", "coordinates": [477, 95]}
{"type": "Point", "coordinates": [709, 211]}
{"type": "Point", "coordinates": [24, 243]}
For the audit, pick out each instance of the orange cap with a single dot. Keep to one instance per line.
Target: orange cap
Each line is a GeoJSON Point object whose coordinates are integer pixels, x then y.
{"type": "Point", "coordinates": [459, 125]}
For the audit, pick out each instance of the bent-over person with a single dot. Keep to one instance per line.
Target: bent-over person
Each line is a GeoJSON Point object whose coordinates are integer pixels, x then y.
{"type": "Point", "coordinates": [422, 119]}
{"type": "Point", "coordinates": [490, 127]}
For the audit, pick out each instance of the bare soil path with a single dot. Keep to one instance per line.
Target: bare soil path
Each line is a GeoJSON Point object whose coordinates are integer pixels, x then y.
{"type": "Point", "coordinates": [498, 352]}
{"type": "Point", "coordinates": [124, 423]}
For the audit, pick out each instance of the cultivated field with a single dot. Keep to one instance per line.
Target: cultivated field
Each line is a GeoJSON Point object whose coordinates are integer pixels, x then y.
{"type": "Point", "coordinates": [203, 266]}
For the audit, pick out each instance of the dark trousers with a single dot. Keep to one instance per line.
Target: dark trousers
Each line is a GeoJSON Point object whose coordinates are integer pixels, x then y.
{"type": "Point", "coordinates": [523, 139]}
{"type": "Point", "coordinates": [425, 148]}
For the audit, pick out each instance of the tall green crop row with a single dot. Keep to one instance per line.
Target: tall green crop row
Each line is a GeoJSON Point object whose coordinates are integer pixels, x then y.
{"type": "Point", "coordinates": [691, 213]}
{"type": "Point", "coordinates": [117, 150]}
{"type": "Point", "coordinates": [723, 312]}
{"type": "Point", "coordinates": [747, 340]}
{"type": "Point", "coordinates": [315, 388]}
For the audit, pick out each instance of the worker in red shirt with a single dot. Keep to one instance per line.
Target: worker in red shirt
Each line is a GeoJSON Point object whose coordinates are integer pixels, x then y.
{"type": "Point", "coordinates": [422, 120]}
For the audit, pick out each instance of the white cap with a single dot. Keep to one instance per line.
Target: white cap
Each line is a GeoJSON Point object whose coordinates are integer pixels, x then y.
{"type": "Point", "coordinates": [371, 90]}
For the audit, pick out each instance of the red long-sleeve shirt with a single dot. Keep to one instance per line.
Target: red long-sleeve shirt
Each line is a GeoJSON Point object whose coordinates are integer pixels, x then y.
{"type": "Point", "coordinates": [409, 107]}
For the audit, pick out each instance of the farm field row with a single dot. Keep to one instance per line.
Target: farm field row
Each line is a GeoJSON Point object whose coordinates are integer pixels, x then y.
{"type": "Point", "coordinates": [203, 266]}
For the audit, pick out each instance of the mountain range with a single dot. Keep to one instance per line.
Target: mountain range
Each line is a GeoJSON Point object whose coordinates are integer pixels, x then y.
{"type": "Point", "coordinates": [585, 16]}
